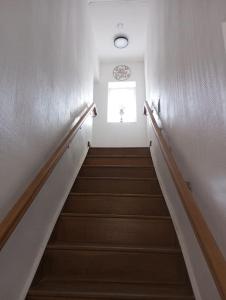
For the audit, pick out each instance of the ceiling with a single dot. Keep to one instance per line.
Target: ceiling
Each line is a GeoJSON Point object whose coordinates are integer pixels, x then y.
{"type": "Point", "coordinates": [106, 14]}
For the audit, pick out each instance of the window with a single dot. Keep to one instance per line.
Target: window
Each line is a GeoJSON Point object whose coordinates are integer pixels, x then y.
{"type": "Point", "coordinates": [122, 102]}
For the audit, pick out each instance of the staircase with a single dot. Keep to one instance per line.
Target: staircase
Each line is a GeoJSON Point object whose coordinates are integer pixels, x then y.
{"type": "Point", "coordinates": [114, 238]}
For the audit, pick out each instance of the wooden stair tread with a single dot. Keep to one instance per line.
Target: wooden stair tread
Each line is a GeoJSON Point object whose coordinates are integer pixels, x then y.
{"type": "Point", "coordinates": [117, 171]}
{"type": "Point", "coordinates": [115, 160]}
{"type": "Point", "coordinates": [110, 290]}
{"type": "Point", "coordinates": [119, 151]}
{"type": "Point", "coordinates": [114, 238]}
{"type": "Point", "coordinates": [117, 185]}
{"type": "Point", "coordinates": [136, 230]}
{"type": "Point", "coordinates": [112, 265]}
{"type": "Point", "coordinates": [146, 205]}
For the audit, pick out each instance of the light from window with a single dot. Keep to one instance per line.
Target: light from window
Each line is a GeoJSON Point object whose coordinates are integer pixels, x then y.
{"type": "Point", "coordinates": [122, 102]}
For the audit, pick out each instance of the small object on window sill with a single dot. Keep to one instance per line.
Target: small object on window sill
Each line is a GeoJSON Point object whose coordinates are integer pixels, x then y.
{"type": "Point", "coordinates": [121, 112]}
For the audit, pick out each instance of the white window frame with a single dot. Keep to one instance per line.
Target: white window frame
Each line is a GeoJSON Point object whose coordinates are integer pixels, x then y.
{"type": "Point", "coordinates": [122, 104]}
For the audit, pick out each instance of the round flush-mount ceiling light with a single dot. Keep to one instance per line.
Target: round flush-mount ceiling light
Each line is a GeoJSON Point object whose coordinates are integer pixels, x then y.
{"type": "Point", "coordinates": [121, 41]}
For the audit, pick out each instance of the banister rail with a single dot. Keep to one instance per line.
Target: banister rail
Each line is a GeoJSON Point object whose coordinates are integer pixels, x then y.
{"type": "Point", "coordinates": [9, 223]}
{"type": "Point", "coordinates": [211, 251]}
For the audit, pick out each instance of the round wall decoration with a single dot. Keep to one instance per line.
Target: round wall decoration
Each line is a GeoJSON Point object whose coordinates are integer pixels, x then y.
{"type": "Point", "coordinates": [121, 72]}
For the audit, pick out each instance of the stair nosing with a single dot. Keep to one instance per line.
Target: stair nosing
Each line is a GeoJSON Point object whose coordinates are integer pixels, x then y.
{"type": "Point", "coordinates": [117, 148]}
{"type": "Point", "coordinates": [94, 295]}
{"type": "Point", "coordinates": [119, 156]}
{"type": "Point", "coordinates": [112, 248]}
{"type": "Point", "coordinates": [110, 281]}
{"type": "Point", "coordinates": [117, 195]}
{"type": "Point", "coordinates": [104, 295]}
{"type": "Point", "coordinates": [117, 178]}
{"type": "Point", "coordinates": [115, 216]}
{"type": "Point", "coordinates": [118, 166]}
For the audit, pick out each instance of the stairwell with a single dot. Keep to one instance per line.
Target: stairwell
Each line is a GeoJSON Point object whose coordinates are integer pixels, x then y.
{"type": "Point", "coordinates": [114, 238]}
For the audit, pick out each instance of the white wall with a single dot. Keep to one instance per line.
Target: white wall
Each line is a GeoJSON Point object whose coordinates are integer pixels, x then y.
{"type": "Point", "coordinates": [186, 69]}
{"type": "Point", "coordinates": [46, 79]}
{"type": "Point", "coordinates": [201, 279]}
{"type": "Point", "coordinates": [119, 134]}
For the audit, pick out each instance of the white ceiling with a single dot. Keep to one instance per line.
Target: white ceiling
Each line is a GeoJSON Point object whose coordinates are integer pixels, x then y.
{"type": "Point", "coordinates": [106, 14]}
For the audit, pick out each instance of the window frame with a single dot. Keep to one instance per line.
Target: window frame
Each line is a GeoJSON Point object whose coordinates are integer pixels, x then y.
{"type": "Point", "coordinates": [117, 86]}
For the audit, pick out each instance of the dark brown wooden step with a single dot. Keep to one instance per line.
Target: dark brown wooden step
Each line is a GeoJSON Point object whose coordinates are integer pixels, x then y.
{"type": "Point", "coordinates": [118, 230]}
{"type": "Point", "coordinates": [117, 171]}
{"type": "Point", "coordinates": [116, 204]}
{"type": "Point", "coordinates": [155, 266]}
{"type": "Point", "coordinates": [117, 185]}
{"type": "Point", "coordinates": [114, 239]}
{"type": "Point", "coordinates": [118, 160]}
{"type": "Point", "coordinates": [119, 151]}
{"type": "Point", "coordinates": [77, 290]}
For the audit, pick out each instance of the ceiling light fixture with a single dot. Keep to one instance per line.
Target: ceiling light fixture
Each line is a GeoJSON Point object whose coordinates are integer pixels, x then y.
{"type": "Point", "coordinates": [121, 41]}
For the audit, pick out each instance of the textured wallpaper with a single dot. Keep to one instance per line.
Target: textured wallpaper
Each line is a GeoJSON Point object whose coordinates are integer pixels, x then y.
{"type": "Point", "coordinates": [46, 78]}
{"type": "Point", "coordinates": [186, 70]}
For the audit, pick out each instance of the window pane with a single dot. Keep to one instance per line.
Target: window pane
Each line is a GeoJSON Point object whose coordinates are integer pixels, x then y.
{"type": "Point", "coordinates": [122, 101]}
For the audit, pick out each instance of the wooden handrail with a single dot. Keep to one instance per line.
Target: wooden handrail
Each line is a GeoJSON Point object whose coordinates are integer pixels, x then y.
{"type": "Point", "coordinates": [16, 213]}
{"type": "Point", "coordinates": [211, 251]}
